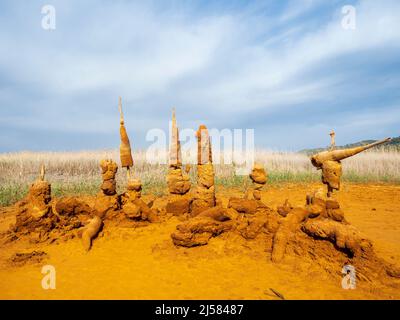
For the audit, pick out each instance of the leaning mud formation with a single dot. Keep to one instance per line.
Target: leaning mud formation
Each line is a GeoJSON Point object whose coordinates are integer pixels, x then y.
{"type": "Point", "coordinates": [330, 162]}
{"type": "Point", "coordinates": [178, 180]}
{"type": "Point", "coordinates": [323, 219]}
{"type": "Point", "coordinates": [205, 192]}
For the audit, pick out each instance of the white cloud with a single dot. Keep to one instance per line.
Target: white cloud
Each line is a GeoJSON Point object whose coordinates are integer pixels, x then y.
{"type": "Point", "coordinates": [227, 63]}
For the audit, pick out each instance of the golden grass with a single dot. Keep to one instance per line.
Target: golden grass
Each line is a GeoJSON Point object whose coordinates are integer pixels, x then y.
{"type": "Point", "coordinates": [78, 172]}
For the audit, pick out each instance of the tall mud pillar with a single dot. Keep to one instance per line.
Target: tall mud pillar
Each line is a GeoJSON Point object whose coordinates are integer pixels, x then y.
{"type": "Point", "coordinates": [205, 193]}
{"type": "Point", "coordinates": [178, 180]}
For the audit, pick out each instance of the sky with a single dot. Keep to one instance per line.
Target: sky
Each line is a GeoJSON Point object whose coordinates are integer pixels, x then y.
{"type": "Point", "coordinates": [287, 69]}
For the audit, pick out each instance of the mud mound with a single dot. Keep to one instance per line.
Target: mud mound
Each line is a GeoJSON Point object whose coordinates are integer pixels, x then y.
{"type": "Point", "coordinates": [70, 206]}
{"type": "Point", "coordinates": [317, 232]}
{"type": "Point", "coordinates": [200, 229]}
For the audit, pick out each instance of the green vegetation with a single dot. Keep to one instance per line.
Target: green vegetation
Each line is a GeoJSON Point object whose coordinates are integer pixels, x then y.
{"type": "Point", "coordinates": [79, 174]}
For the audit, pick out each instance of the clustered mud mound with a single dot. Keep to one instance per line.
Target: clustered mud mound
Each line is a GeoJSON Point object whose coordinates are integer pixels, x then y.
{"type": "Point", "coordinates": [39, 218]}
{"type": "Point", "coordinates": [318, 230]}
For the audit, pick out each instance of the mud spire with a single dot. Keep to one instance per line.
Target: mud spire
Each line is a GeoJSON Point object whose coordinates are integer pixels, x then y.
{"type": "Point", "coordinates": [125, 147]}
{"type": "Point", "coordinates": [177, 180]}
{"type": "Point", "coordinates": [204, 152]}
{"type": "Point", "coordinates": [175, 156]}
{"type": "Point", "coordinates": [205, 192]}
{"type": "Point", "coordinates": [333, 142]}
{"type": "Point", "coordinates": [42, 173]}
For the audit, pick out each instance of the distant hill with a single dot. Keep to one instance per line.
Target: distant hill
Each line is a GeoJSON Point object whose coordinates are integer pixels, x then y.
{"type": "Point", "coordinates": [394, 144]}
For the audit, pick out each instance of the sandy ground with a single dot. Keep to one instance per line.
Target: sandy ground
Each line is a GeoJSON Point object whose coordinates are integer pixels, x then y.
{"type": "Point", "coordinates": [142, 263]}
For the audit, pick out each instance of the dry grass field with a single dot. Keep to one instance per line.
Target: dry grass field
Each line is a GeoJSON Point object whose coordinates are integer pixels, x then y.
{"type": "Point", "coordinates": [74, 173]}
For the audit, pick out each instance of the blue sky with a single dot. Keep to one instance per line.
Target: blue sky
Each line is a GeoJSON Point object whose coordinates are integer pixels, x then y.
{"type": "Point", "coordinates": [286, 69]}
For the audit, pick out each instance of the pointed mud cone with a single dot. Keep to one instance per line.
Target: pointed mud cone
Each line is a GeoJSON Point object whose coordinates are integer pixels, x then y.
{"type": "Point", "coordinates": [125, 147]}
{"type": "Point", "coordinates": [42, 173]}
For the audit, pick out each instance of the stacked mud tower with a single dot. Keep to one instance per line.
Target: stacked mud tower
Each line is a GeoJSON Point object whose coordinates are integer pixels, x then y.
{"type": "Point", "coordinates": [107, 202]}
{"type": "Point", "coordinates": [259, 178]}
{"type": "Point", "coordinates": [133, 208]}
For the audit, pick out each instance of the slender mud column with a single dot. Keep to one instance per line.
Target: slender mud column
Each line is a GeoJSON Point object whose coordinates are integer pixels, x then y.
{"type": "Point", "coordinates": [333, 142]}
{"type": "Point", "coordinates": [125, 147]}
{"type": "Point", "coordinates": [133, 207]}
{"type": "Point", "coordinates": [205, 192]}
{"type": "Point", "coordinates": [178, 180]}
{"type": "Point", "coordinates": [259, 178]}
{"type": "Point", "coordinates": [134, 184]}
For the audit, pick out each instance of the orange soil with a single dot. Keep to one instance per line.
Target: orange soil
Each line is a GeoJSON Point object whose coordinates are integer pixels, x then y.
{"type": "Point", "coordinates": [142, 263]}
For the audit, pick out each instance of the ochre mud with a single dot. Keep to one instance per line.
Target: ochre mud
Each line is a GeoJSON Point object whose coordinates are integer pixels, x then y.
{"type": "Point", "coordinates": [141, 261]}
